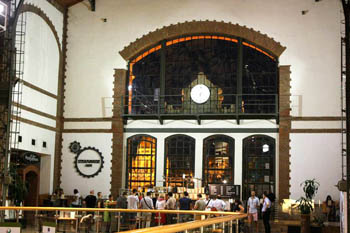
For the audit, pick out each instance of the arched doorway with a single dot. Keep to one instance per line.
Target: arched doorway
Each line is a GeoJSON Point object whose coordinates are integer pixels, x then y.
{"type": "Point", "coordinates": [31, 177]}
{"type": "Point", "coordinates": [258, 165]}
{"type": "Point", "coordinates": [141, 161]}
{"type": "Point", "coordinates": [218, 160]}
{"type": "Point", "coordinates": [179, 160]}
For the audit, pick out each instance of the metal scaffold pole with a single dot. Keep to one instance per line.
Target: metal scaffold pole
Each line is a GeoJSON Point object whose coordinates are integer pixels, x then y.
{"type": "Point", "coordinates": [346, 73]}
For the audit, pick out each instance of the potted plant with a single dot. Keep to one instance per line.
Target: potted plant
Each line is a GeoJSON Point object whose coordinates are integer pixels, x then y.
{"type": "Point", "coordinates": [310, 188]}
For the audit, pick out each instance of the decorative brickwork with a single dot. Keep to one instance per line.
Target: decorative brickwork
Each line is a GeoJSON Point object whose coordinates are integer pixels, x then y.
{"type": "Point", "coordinates": [118, 132]}
{"type": "Point", "coordinates": [60, 94]}
{"type": "Point", "coordinates": [284, 132]}
{"type": "Point", "coordinates": [215, 28]}
{"type": "Point", "coordinates": [60, 105]}
{"type": "Point", "coordinates": [35, 10]}
{"type": "Point", "coordinates": [201, 27]}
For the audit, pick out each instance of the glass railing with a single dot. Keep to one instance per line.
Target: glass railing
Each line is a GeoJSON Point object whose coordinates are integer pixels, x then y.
{"type": "Point", "coordinates": [52, 219]}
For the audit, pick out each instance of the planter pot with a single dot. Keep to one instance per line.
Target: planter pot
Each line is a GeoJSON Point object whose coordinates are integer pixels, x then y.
{"type": "Point", "coordinates": [305, 223]}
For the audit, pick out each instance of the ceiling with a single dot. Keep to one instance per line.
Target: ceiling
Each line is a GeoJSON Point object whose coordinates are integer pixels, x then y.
{"type": "Point", "coordinates": [68, 3]}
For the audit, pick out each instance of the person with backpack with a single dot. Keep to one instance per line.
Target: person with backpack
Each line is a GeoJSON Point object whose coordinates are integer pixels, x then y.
{"type": "Point", "coordinates": [146, 204]}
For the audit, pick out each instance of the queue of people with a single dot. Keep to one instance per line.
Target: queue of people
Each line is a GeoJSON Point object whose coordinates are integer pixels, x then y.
{"type": "Point", "coordinates": [162, 201]}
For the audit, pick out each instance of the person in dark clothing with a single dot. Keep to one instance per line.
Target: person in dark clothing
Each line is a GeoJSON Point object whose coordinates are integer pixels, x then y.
{"type": "Point", "coordinates": [185, 204]}
{"type": "Point", "coordinates": [122, 203]}
{"type": "Point", "coordinates": [266, 212]}
{"type": "Point", "coordinates": [90, 202]}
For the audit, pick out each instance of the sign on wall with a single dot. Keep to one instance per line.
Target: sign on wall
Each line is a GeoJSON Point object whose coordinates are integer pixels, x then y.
{"type": "Point", "coordinates": [31, 158]}
{"type": "Point", "coordinates": [225, 190]}
{"type": "Point", "coordinates": [88, 160]}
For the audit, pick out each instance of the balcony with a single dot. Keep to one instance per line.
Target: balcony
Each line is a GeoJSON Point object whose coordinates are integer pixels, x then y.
{"type": "Point", "coordinates": [162, 107]}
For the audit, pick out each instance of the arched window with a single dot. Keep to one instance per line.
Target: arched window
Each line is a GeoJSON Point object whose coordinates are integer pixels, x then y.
{"type": "Point", "coordinates": [258, 165]}
{"type": "Point", "coordinates": [239, 78]}
{"type": "Point", "coordinates": [218, 160]}
{"type": "Point", "coordinates": [179, 160]}
{"type": "Point", "coordinates": [141, 161]}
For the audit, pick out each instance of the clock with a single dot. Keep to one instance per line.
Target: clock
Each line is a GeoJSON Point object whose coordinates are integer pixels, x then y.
{"type": "Point", "coordinates": [200, 93]}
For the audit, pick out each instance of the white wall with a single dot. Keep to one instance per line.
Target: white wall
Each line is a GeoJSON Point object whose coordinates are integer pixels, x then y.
{"type": "Point", "coordinates": [316, 156]}
{"type": "Point", "coordinates": [312, 41]}
{"type": "Point", "coordinates": [70, 177]}
{"type": "Point", "coordinates": [313, 51]}
{"type": "Point", "coordinates": [41, 64]}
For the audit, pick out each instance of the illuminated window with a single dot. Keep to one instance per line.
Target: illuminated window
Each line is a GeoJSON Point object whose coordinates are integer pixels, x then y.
{"type": "Point", "coordinates": [218, 160]}
{"type": "Point", "coordinates": [238, 73]}
{"type": "Point", "coordinates": [179, 160]}
{"type": "Point", "coordinates": [258, 165]}
{"type": "Point", "coordinates": [141, 161]}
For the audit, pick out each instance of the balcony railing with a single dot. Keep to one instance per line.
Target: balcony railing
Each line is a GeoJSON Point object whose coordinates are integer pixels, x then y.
{"type": "Point", "coordinates": [246, 106]}
{"type": "Point", "coordinates": [91, 219]}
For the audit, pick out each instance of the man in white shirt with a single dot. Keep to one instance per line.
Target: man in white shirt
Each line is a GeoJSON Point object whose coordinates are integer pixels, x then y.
{"type": "Point", "coordinates": [146, 204]}
{"type": "Point", "coordinates": [133, 203]}
{"type": "Point", "coordinates": [253, 203]}
{"type": "Point", "coordinates": [217, 204]}
{"type": "Point", "coordinates": [266, 213]}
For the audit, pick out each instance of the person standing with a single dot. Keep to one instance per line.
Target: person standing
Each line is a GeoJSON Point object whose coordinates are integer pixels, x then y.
{"type": "Point", "coordinates": [122, 203]}
{"type": "Point", "coordinates": [76, 202]}
{"type": "Point", "coordinates": [266, 212]}
{"type": "Point", "coordinates": [133, 203]}
{"type": "Point", "coordinates": [90, 202]}
{"type": "Point", "coordinates": [185, 204]}
{"type": "Point", "coordinates": [253, 203]}
{"type": "Point", "coordinates": [199, 205]}
{"type": "Point", "coordinates": [146, 204]}
{"type": "Point", "coordinates": [217, 204]}
{"type": "Point", "coordinates": [107, 218]}
{"type": "Point", "coordinates": [170, 205]}
{"type": "Point", "coordinates": [160, 205]}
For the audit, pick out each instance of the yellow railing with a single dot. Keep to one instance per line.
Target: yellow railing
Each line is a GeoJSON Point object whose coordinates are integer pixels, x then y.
{"type": "Point", "coordinates": [212, 218]}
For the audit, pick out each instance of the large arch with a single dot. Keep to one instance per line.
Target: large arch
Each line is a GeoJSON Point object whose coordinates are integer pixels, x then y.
{"type": "Point", "coordinates": [35, 10]}
{"type": "Point", "coordinates": [201, 27]}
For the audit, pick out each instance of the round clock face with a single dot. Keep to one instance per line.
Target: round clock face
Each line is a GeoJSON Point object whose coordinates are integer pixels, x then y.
{"type": "Point", "coordinates": [200, 93]}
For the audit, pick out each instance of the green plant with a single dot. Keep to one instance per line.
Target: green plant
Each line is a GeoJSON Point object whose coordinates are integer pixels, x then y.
{"type": "Point", "coordinates": [310, 188]}
{"type": "Point", "coordinates": [17, 188]}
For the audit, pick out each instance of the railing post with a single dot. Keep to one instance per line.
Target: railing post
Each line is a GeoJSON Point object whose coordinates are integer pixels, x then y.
{"type": "Point", "coordinates": [237, 225]}
{"type": "Point", "coordinates": [119, 221]}
{"type": "Point", "coordinates": [159, 218]}
{"type": "Point", "coordinates": [17, 215]}
{"type": "Point", "coordinates": [230, 226]}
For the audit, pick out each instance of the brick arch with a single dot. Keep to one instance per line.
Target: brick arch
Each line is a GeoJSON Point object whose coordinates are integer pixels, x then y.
{"type": "Point", "coordinates": [35, 10]}
{"type": "Point", "coordinates": [201, 27]}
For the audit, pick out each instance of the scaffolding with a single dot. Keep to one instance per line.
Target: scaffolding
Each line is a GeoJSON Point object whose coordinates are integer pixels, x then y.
{"type": "Point", "coordinates": [12, 46]}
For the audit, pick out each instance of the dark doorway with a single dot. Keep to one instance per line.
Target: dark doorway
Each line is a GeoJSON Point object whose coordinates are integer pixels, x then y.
{"type": "Point", "coordinates": [258, 165]}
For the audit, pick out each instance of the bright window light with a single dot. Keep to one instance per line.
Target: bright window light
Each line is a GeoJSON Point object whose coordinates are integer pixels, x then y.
{"type": "Point", "coordinates": [266, 148]}
{"type": "Point", "coordinates": [2, 8]}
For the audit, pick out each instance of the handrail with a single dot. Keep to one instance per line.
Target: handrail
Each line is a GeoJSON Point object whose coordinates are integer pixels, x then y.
{"type": "Point", "coordinates": [188, 225]}
{"type": "Point", "coordinates": [33, 208]}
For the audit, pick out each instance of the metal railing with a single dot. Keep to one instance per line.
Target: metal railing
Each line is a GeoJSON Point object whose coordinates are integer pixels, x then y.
{"type": "Point", "coordinates": [226, 104]}
{"type": "Point", "coordinates": [78, 219]}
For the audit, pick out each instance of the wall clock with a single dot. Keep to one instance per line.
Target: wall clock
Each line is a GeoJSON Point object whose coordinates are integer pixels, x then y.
{"type": "Point", "coordinates": [200, 93]}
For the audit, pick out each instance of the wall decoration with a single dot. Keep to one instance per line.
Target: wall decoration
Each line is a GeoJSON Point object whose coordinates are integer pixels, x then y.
{"type": "Point", "coordinates": [88, 160]}
{"type": "Point", "coordinates": [31, 158]}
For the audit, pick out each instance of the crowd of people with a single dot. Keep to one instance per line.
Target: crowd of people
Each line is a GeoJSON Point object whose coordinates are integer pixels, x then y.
{"type": "Point", "coordinates": [161, 201]}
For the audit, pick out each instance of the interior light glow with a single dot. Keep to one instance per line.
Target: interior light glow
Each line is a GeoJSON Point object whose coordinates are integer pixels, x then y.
{"type": "Point", "coordinates": [266, 148]}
